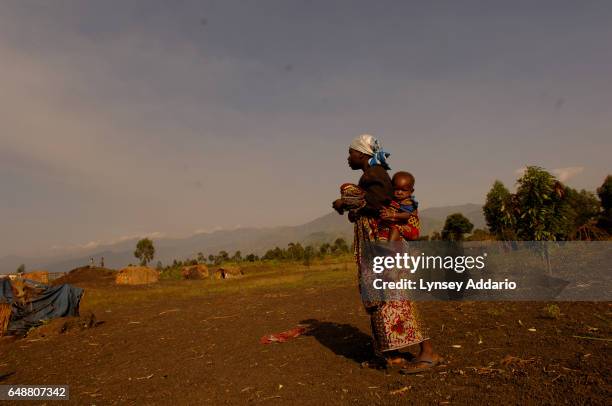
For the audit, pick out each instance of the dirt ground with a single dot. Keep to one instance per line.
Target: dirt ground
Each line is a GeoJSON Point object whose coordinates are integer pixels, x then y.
{"type": "Point", "coordinates": [204, 348]}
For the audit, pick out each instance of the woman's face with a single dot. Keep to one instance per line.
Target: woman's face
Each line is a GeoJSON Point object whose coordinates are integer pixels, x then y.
{"type": "Point", "coordinates": [355, 159]}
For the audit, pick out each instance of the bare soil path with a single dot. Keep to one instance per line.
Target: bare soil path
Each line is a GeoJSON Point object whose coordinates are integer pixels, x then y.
{"type": "Point", "coordinates": [205, 350]}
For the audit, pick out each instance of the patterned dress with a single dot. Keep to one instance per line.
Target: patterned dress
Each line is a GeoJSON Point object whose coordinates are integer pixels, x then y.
{"type": "Point", "coordinates": [395, 324]}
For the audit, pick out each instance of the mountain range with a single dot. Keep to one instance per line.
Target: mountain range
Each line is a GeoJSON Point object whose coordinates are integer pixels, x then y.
{"type": "Point", "coordinates": [256, 240]}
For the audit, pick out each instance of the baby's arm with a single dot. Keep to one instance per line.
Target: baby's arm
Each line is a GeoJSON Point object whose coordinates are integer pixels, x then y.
{"type": "Point", "coordinates": [392, 215]}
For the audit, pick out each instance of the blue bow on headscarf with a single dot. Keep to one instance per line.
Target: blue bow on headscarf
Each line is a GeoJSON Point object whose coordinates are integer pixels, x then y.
{"type": "Point", "coordinates": [380, 155]}
{"type": "Point", "coordinates": [369, 145]}
{"type": "Point", "coordinates": [380, 158]}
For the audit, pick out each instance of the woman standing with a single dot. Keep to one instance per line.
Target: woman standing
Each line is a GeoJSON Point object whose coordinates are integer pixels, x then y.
{"type": "Point", "coordinates": [395, 324]}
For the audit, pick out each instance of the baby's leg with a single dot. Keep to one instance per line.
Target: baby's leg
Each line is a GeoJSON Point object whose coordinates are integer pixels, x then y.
{"type": "Point", "coordinates": [394, 234]}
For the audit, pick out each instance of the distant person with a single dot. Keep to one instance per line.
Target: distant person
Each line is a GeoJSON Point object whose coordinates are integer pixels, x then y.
{"type": "Point", "coordinates": [102, 262]}
{"type": "Point", "coordinates": [395, 324]}
{"type": "Point", "coordinates": [402, 215]}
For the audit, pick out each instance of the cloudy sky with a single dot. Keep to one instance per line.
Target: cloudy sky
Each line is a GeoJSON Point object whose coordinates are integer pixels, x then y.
{"type": "Point", "coordinates": [125, 118]}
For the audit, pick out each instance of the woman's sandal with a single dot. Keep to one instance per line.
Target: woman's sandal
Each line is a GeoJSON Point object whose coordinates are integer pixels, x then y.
{"type": "Point", "coordinates": [374, 364]}
{"type": "Point", "coordinates": [385, 363]}
{"type": "Point", "coordinates": [414, 368]}
{"type": "Point", "coordinates": [398, 361]}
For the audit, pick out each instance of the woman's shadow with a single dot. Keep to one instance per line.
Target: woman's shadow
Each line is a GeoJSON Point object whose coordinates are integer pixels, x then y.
{"type": "Point", "coordinates": [343, 339]}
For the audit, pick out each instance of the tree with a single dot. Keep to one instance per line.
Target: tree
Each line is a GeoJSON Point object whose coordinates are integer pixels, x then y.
{"type": "Point", "coordinates": [201, 258]}
{"type": "Point", "coordinates": [222, 256]}
{"type": "Point", "coordinates": [250, 257]}
{"type": "Point", "coordinates": [279, 253]}
{"type": "Point", "coordinates": [21, 268]}
{"type": "Point", "coordinates": [537, 211]}
{"type": "Point", "coordinates": [497, 199]}
{"type": "Point", "coordinates": [211, 258]}
{"type": "Point", "coordinates": [309, 253]}
{"type": "Point", "coordinates": [276, 253]}
{"type": "Point", "coordinates": [237, 257]}
{"type": "Point", "coordinates": [340, 246]}
{"type": "Point", "coordinates": [159, 266]}
{"type": "Point", "coordinates": [582, 211]}
{"type": "Point", "coordinates": [324, 249]}
{"type": "Point", "coordinates": [295, 251]}
{"type": "Point", "coordinates": [455, 227]}
{"type": "Point", "coordinates": [144, 251]}
{"type": "Point", "coordinates": [605, 193]}
{"type": "Point", "coordinates": [269, 254]}
{"type": "Point", "coordinates": [605, 197]}
{"type": "Point", "coordinates": [480, 235]}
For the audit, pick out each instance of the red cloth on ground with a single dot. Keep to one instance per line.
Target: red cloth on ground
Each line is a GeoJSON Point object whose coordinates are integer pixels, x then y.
{"type": "Point", "coordinates": [284, 336]}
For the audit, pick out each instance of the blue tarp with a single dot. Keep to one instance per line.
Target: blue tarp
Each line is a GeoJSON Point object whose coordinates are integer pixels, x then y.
{"type": "Point", "coordinates": [52, 302]}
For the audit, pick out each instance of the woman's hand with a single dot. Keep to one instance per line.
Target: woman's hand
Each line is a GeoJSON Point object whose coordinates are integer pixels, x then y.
{"type": "Point", "coordinates": [338, 205]}
{"type": "Point", "coordinates": [387, 214]}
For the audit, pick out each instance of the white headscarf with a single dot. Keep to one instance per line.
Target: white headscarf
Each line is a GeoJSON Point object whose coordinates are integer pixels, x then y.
{"type": "Point", "coordinates": [365, 143]}
{"type": "Point", "coordinates": [369, 145]}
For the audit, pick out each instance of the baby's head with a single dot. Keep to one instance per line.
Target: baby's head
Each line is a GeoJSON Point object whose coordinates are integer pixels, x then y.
{"type": "Point", "coordinates": [403, 185]}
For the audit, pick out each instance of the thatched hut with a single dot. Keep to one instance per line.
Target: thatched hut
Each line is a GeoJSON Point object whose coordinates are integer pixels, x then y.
{"type": "Point", "coordinates": [227, 272]}
{"type": "Point", "coordinates": [38, 276]}
{"type": "Point", "coordinates": [137, 275]}
{"type": "Point", "coordinates": [199, 271]}
{"type": "Point", "coordinates": [25, 303]}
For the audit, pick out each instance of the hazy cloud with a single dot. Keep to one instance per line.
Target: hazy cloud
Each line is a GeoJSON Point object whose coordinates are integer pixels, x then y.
{"type": "Point", "coordinates": [565, 174]}
{"type": "Point", "coordinates": [197, 115]}
{"type": "Point", "coordinates": [95, 244]}
{"type": "Point", "coordinates": [520, 171]}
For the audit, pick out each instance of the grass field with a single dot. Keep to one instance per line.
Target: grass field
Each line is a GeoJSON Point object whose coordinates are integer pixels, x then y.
{"type": "Point", "coordinates": [331, 272]}
{"type": "Point", "coordinates": [197, 342]}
